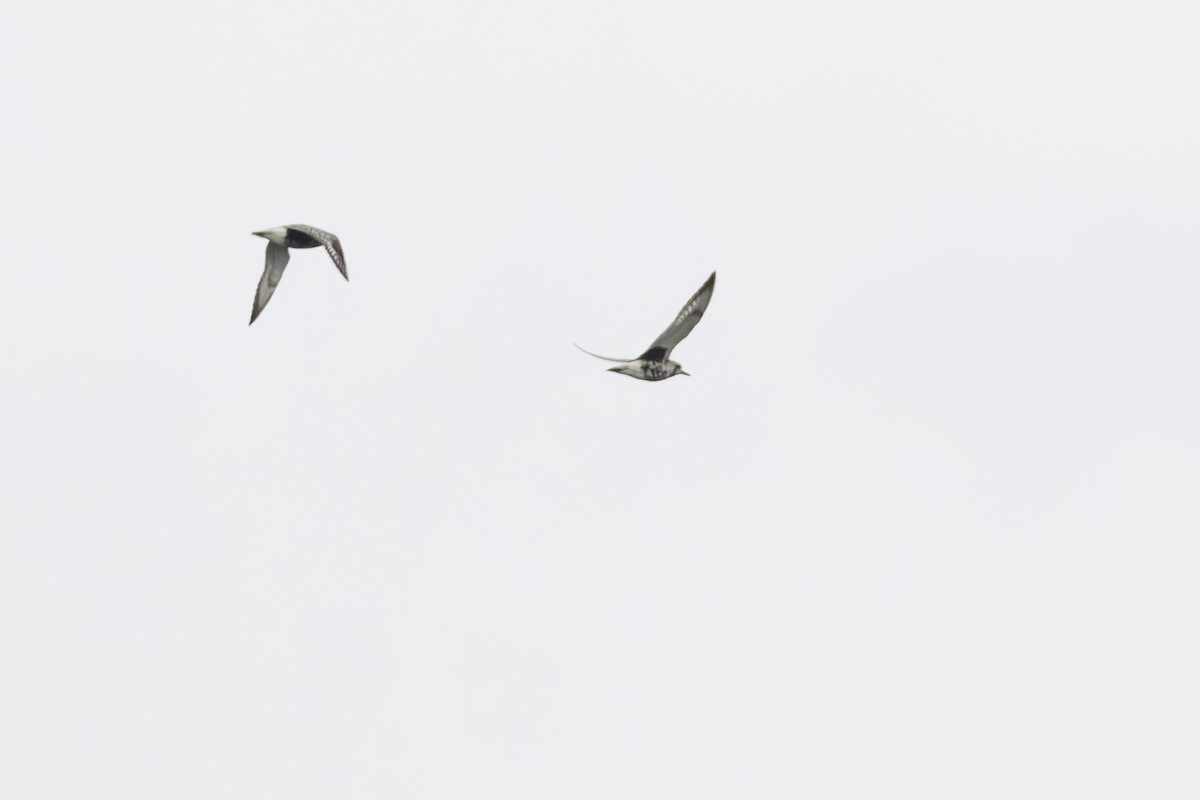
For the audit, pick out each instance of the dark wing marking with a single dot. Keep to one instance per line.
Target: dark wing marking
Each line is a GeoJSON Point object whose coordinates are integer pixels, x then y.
{"type": "Point", "coordinates": [654, 354]}
{"type": "Point", "coordinates": [334, 248]}
{"type": "Point", "coordinates": [331, 243]}
{"type": "Point", "coordinates": [678, 330]}
{"type": "Point", "coordinates": [277, 259]}
{"type": "Point", "coordinates": [606, 358]}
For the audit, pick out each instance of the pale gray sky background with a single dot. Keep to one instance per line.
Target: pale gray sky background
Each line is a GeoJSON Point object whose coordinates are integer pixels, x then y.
{"type": "Point", "coordinates": [923, 524]}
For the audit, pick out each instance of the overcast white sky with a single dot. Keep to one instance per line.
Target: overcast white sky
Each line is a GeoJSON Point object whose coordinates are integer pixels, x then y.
{"type": "Point", "coordinates": [924, 523]}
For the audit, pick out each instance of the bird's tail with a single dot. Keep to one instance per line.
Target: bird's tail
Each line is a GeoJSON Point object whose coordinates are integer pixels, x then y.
{"type": "Point", "coordinates": [605, 358]}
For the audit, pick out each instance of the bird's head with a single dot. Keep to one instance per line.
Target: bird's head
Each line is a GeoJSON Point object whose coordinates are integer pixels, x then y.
{"type": "Point", "coordinates": [276, 235]}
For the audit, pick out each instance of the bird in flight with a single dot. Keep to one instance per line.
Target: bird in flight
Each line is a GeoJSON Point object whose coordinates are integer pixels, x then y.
{"type": "Point", "coordinates": [278, 242]}
{"type": "Point", "coordinates": [655, 364]}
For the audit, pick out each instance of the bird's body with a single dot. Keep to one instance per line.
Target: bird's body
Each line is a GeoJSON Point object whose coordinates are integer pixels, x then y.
{"type": "Point", "coordinates": [655, 364]}
{"type": "Point", "coordinates": [645, 370]}
{"type": "Point", "coordinates": [279, 240]}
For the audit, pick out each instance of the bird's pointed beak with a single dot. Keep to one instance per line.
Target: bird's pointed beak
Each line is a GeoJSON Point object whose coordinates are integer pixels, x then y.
{"type": "Point", "coordinates": [260, 233]}
{"type": "Point", "coordinates": [681, 372]}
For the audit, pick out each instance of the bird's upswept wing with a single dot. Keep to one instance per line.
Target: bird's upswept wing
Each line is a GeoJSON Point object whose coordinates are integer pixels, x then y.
{"type": "Point", "coordinates": [277, 259]}
{"type": "Point", "coordinates": [678, 330]}
{"type": "Point", "coordinates": [331, 243]}
{"type": "Point", "coordinates": [605, 358]}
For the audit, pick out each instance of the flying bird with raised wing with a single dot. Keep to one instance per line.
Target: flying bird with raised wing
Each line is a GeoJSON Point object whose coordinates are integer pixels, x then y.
{"type": "Point", "coordinates": [278, 242]}
{"type": "Point", "coordinates": [655, 364]}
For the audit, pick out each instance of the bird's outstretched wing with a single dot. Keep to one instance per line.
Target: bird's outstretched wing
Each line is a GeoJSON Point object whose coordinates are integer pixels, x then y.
{"type": "Point", "coordinates": [678, 330]}
{"type": "Point", "coordinates": [277, 259]}
{"type": "Point", "coordinates": [605, 358]}
{"type": "Point", "coordinates": [332, 245]}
